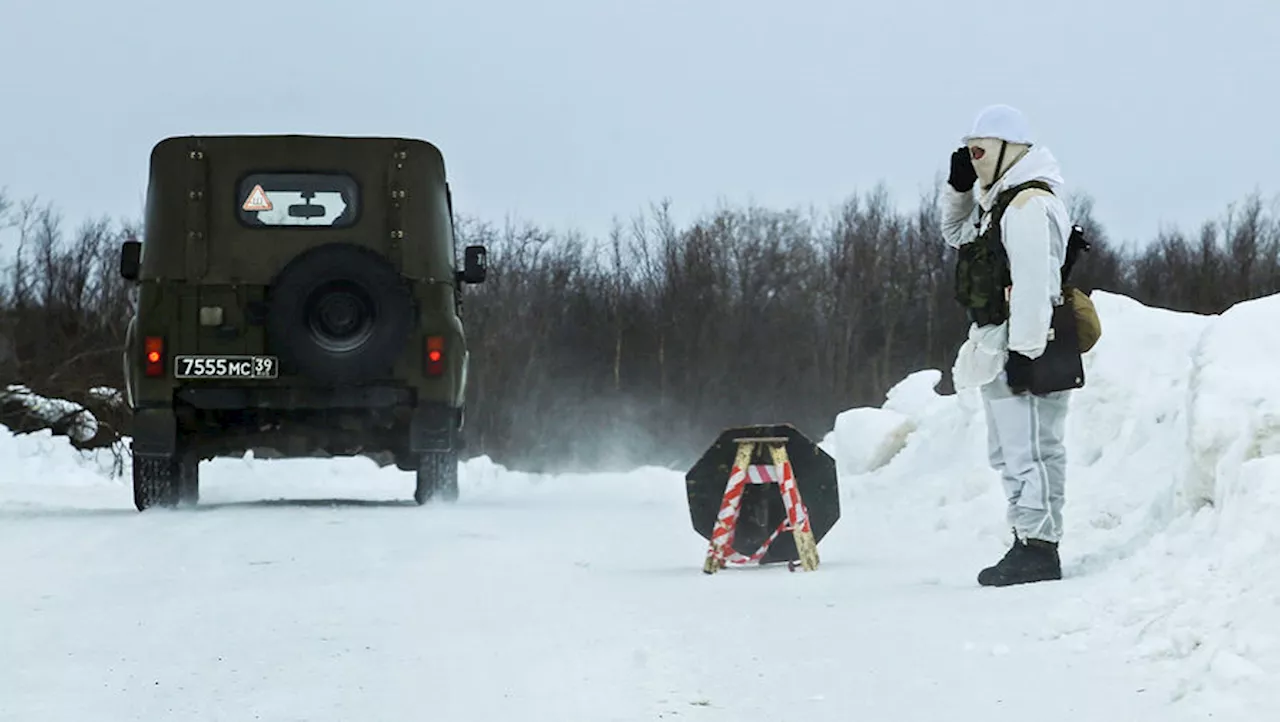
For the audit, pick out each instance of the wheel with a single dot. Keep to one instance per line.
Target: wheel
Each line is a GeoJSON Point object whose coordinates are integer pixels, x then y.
{"type": "Point", "coordinates": [155, 481]}
{"type": "Point", "coordinates": [437, 477]}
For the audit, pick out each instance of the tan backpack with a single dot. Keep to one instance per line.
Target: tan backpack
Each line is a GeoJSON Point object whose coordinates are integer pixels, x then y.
{"type": "Point", "coordinates": [1088, 325]}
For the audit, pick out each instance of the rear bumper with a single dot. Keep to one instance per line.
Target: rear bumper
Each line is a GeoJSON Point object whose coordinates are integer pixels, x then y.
{"type": "Point", "coordinates": [216, 398]}
{"type": "Point", "coordinates": [240, 417]}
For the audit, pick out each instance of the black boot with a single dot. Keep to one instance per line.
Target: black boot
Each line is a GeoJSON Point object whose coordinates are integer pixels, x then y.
{"type": "Point", "coordinates": [1028, 560]}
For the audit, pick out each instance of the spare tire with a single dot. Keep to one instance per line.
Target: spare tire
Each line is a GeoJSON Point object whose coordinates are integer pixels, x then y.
{"type": "Point", "coordinates": [338, 314]}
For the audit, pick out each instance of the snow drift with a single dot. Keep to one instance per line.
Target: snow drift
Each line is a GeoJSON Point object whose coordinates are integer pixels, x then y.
{"type": "Point", "coordinates": [1170, 550]}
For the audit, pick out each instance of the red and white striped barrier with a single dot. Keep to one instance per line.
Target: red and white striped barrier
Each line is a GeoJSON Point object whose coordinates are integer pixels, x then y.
{"type": "Point", "coordinates": [721, 551]}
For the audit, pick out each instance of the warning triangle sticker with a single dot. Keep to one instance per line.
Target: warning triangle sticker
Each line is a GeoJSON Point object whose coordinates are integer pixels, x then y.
{"type": "Point", "coordinates": [257, 200]}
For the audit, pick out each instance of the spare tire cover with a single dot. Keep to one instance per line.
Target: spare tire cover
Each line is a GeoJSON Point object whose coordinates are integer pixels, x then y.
{"type": "Point", "coordinates": [339, 313]}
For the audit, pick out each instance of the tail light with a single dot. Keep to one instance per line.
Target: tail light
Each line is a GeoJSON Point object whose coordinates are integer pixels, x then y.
{"type": "Point", "coordinates": [435, 355]}
{"type": "Point", "coordinates": [153, 351]}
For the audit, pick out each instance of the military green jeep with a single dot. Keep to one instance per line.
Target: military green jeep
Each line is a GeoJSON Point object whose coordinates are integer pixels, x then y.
{"type": "Point", "coordinates": [296, 296]}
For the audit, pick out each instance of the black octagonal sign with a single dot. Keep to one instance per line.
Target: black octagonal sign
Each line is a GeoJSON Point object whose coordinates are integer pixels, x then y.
{"type": "Point", "coordinates": [762, 509]}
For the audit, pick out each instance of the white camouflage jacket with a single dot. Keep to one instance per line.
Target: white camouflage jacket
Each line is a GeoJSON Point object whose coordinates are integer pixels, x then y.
{"type": "Point", "coordinates": [1035, 228]}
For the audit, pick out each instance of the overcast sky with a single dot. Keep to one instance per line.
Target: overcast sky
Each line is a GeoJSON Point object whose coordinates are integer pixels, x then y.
{"type": "Point", "coordinates": [571, 112]}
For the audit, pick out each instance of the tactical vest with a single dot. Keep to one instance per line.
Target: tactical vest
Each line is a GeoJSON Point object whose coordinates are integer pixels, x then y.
{"type": "Point", "coordinates": [982, 267]}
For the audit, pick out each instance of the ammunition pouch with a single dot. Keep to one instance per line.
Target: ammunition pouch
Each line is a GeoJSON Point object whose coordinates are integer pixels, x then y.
{"type": "Point", "coordinates": [982, 266]}
{"type": "Point", "coordinates": [1060, 367]}
{"type": "Point", "coordinates": [981, 277]}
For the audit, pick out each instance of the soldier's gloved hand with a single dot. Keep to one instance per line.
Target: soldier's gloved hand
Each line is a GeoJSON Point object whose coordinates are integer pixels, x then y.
{"type": "Point", "coordinates": [1018, 372]}
{"type": "Point", "coordinates": [963, 176]}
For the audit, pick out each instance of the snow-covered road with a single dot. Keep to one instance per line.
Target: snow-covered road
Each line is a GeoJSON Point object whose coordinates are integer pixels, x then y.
{"type": "Point", "coordinates": [313, 591]}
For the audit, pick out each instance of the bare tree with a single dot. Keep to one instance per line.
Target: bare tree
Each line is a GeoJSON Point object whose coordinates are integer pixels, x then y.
{"type": "Point", "coordinates": [642, 347]}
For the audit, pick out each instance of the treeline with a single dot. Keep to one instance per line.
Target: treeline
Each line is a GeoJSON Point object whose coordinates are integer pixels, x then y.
{"type": "Point", "coordinates": [638, 348]}
{"type": "Point", "coordinates": [63, 313]}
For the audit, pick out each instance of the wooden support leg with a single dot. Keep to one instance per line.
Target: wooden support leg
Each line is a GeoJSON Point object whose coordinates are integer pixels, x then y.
{"type": "Point", "coordinates": [730, 507]}
{"type": "Point", "coordinates": [797, 514]}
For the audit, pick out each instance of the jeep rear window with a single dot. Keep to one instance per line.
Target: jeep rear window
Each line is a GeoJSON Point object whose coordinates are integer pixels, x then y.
{"type": "Point", "coordinates": [269, 200]}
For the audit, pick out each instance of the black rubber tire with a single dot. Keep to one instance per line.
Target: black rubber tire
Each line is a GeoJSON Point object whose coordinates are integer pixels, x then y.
{"type": "Point", "coordinates": [155, 481]}
{"type": "Point", "coordinates": [437, 477]}
{"type": "Point", "coordinates": [368, 281]}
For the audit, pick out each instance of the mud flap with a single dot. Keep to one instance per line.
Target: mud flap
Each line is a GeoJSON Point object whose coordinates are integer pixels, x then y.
{"type": "Point", "coordinates": [155, 432]}
{"type": "Point", "coordinates": [433, 428]}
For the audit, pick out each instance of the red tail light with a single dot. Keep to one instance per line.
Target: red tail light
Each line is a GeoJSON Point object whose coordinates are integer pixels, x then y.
{"type": "Point", "coordinates": [154, 356]}
{"type": "Point", "coordinates": [435, 355]}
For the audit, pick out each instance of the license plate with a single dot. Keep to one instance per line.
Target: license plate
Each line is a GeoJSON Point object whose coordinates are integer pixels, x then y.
{"type": "Point", "coordinates": [226, 367]}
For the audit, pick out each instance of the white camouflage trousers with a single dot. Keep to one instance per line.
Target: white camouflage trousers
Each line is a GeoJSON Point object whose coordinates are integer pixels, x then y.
{"type": "Point", "coordinates": [1025, 444]}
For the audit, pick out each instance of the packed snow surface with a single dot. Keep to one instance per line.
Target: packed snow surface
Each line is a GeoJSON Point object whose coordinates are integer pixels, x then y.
{"type": "Point", "coordinates": [314, 590]}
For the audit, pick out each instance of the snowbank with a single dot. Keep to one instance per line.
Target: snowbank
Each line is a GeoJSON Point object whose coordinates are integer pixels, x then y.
{"type": "Point", "coordinates": [1235, 401]}
{"type": "Point", "coordinates": [1179, 411]}
{"type": "Point", "coordinates": [872, 438]}
{"type": "Point", "coordinates": [43, 458]}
